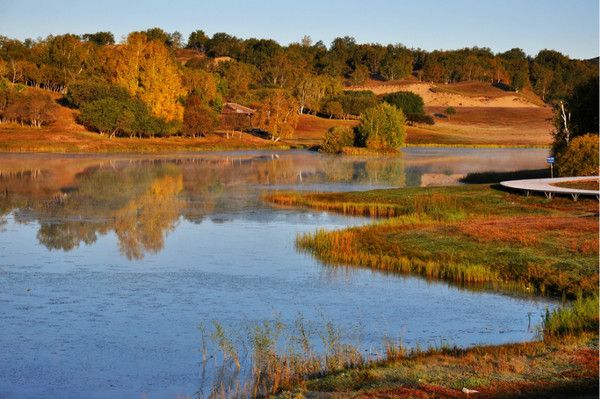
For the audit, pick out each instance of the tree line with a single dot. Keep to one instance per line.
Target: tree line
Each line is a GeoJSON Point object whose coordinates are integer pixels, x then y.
{"type": "Point", "coordinates": [176, 86]}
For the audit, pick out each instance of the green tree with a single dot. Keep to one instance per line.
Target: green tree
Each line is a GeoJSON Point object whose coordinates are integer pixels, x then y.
{"type": "Point", "coordinates": [197, 41]}
{"type": "Point", "coordinates": [408, 102]}
{"type": "Point", "coordinates": [336, 139]}
{"type": "Point", "coordinates": [99, 38]}
{"type": "Point", "coordinates": [382, 126]}
{"type": "Point", "coordinates": [396, 64]}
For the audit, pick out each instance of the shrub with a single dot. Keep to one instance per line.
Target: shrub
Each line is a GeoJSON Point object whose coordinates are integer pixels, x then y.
{"type": "Point", "coordinates": [80, 93]}
{"type": "Point", "coordinates": [579, 158]}
{"type": "Point", "coordinates": [356, 102]}
{"type": "Point", "coordinates": [408, 102]}
{"type": "Point", "coordinates": [131, 117]}
{"type": "Point", "coordinates": [450, 111]}
{"type": "Point", "coordinates": [336, 139]}
{"type": "Point", "coordinates": [334, 109]}
{"type": "Point", "coordinates": [420, 118]}
{"type": "Point", "coordinates": [382, 126]}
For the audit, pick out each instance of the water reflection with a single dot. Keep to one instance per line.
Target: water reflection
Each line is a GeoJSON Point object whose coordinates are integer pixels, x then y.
{"type": "Point", "coordinates": [141, 199]}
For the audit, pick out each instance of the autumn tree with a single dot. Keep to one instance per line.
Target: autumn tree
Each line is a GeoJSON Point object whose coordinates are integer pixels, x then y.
{"type": "Point", "coordinates": [148, 71]}
{"type": "Point", "coordinates": [276, 113]}
{"type": "Point", "coordinates": [202, 84]}
{"type": "Point", "coordinates": [198, 118]}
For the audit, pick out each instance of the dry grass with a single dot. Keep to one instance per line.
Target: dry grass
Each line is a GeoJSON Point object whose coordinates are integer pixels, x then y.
{"type": "Point", "coordinates": [552, 368]}
{"type": "Point", "coordinates": [311, 129]}
{"type": "Point", "coordinates": [486, 126]}
{"type": "Point", "coordinates": [592, 184]}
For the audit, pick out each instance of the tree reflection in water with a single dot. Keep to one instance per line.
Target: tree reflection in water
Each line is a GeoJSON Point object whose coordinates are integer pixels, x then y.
{"type": "Point", "coordinates": [141, 199]}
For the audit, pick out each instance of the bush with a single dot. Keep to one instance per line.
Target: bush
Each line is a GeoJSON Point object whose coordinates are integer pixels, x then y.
{"type": "Point", "coordinates": [382, 127]}
{"type": "Point", "coordinates": [420, 118]}
{"type": "Point", "coordinates": [336, 139]}
{"type": "Point", "coordinates": [450, 111]}
{"type": "Point", "coordinates": [80, 93]}
{"type": "Point", "coordinates": [356, 102]}
{"type": "Point", "coordinates": [408, 102]}
{"type": "Point", "coordinates": [579, 158]}
{"type": "Point", "coordinates": [130, 117]}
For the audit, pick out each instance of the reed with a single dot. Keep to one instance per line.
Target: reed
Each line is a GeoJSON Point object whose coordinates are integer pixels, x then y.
{"type": "Point", "coordinates": [573, 319]}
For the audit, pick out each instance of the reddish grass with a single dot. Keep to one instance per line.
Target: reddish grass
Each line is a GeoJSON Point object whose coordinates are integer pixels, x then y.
{"type": "Point", "coordinates": [311, 129]}
{"type": "Point", "coordinates": [486, 126]}
{"type": "Point", "coordinates": [592, 184]}
{"type": "Point", "coordinates": [527, 230]}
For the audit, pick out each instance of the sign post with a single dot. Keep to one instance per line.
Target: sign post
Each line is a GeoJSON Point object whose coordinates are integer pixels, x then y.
{"type": "Point", "coordinates": [550, 161]}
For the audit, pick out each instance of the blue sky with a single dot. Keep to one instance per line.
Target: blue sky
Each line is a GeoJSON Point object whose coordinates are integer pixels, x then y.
{"type": "Point", "coordinates": [568, 26]}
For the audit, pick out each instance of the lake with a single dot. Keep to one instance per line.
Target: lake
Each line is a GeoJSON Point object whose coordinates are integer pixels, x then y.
{"type": "Point", "coordinates": [109, 264]}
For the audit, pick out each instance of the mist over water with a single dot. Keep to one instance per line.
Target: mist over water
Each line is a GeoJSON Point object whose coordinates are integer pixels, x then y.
{"type": "Point", "coordinates": [109, 264]}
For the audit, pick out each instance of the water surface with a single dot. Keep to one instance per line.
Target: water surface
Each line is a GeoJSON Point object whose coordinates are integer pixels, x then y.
{"type": "Point", "coordinates": [109, 264]}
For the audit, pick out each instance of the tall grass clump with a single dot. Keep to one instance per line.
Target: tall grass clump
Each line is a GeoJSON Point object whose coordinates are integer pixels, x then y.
{"type": "Point", "coordinates": [580, 316]}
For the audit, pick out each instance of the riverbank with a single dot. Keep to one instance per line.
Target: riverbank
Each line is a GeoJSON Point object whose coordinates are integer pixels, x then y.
{"type": "Point", "coordinates": [471, 128]}
{"type": "Point", "coordinates": [479, 237]}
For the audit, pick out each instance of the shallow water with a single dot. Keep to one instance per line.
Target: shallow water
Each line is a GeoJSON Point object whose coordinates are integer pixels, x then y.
{"type": "Point", "coordinates": [109, 264]}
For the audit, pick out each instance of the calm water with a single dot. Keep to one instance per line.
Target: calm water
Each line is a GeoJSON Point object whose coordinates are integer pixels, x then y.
{"type": "Point", "coordinates": [109, 264]}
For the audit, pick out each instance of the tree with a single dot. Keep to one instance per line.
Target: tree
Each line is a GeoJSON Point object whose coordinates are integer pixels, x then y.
{"type": "Point", "coordinates": [86, 91]}
{"type": "Point", "coordinates": [148, 71]}
{"type": "Point", "coordinates": [198, 118]}
{"type": "Point", "coordinates": [334, 109]}
{"type": "Point", "coordinates": [408, 102]}
{"type": "Point", "coordinates": [577, 115]}
{"type": "Point", "coordinates": [360, 75]}
{"type": "Point", "coordinates": [579, 158]}
{"type": "Point", "coordinates": [197, 41]}
{"type": "Point", "coordinates": [310, 90]}
{"type": "Point", "coordinates": [237, 78]}
{"type": "Point", "coordinates": [396, 64]}
{"type": "Point", "coordinates": [382, 126]}
{"type": "Point", "coordinates": [203, 85]}
{"type": "Point", "coordinates": [99, 38]}
{"type": "Point", "coordinates": [38, 108]}
{"type": "Point", "coordinates": [336, 139]}
{"type": "Point", "coordinates": [276, 113]}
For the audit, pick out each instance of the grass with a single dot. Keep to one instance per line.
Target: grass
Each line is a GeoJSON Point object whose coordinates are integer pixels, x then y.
{"type": "Point", "coordinates": [468, 235]}
{"type": "Point", "coordinates": [486, 127]}
{"type": "Point", "coordinates": [515, 370]}
{"type": "Point", "coordinates": [592, 184]}
{"type": "Point", "coordinates": [15, 138]}
{"type": "Point", "coordinates": [474, 236]}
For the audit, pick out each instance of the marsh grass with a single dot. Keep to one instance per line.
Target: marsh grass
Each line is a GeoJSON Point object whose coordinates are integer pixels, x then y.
{"type": "Point", "coordinates": [468, 235]}
{"type": "Point", "coordinates": [576, 318]}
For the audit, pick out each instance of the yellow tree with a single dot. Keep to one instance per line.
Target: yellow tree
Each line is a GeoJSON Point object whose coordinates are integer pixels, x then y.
{"type": "Point", "coordinates": [276, 113]}
{"type": "Point", "coordinates": [148, 71]}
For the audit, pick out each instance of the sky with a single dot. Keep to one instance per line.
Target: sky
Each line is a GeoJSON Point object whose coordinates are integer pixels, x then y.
{"type": "Point", "coordinates": [569, 26]}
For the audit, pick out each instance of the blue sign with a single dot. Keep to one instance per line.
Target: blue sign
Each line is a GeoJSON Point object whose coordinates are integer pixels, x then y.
{"type": "Point", "coordinates": [550, 160]}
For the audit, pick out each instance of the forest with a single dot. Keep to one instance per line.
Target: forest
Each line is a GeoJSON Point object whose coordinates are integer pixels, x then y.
{"type": "Point", "coordinates": [154, 83]}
